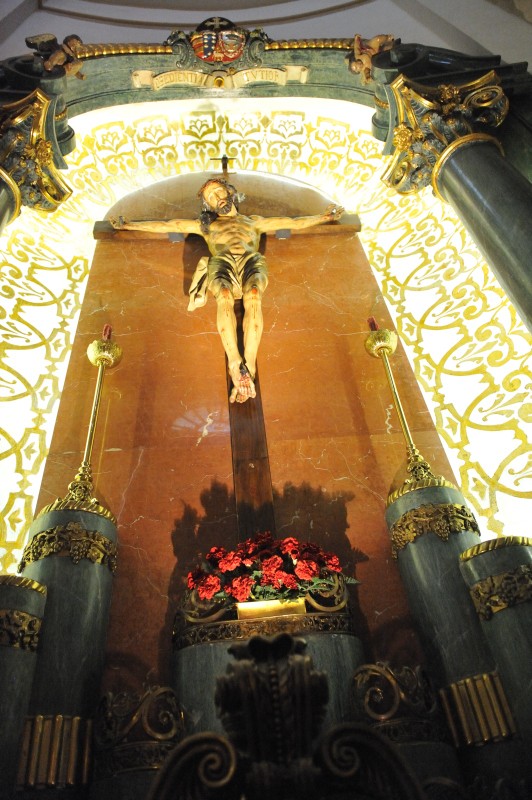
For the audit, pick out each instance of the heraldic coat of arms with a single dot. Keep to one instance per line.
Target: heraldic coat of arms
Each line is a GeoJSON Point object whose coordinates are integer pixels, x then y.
{"type": "Point", "coordinates": [217, 40]}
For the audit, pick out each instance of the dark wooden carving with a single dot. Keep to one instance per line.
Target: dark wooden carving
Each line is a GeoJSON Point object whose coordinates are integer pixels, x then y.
{"type": "Point", "coordinates": [272, 704]}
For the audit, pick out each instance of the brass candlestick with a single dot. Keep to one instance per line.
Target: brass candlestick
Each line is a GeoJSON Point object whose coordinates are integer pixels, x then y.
{"type": "Point", "coordinates": [104, 354]}
{"type": "Point", "coordinates": [381, 343]}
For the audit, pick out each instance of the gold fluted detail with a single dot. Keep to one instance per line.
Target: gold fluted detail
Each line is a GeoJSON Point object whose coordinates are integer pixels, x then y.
{"type": "Point", "coordinates": [477, 710]}
{"type": "Point", "coordinates": [495, 544]}
{"type": "Point", "coordinates": [381, 343]}
{"type": "Point", "coordinates": [23, 583]}
{"type": "Point", "coordinates": [103, 354]}
{"type": "Point", "coordinates": [55, 752]}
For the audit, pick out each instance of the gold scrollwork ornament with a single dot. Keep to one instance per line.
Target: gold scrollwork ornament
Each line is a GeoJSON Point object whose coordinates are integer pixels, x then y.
{"type": "Point", "coordinates": [441, 519]}
{"type": "Point", "coordinates": [499, 592]}
{"type": "Point", "coordinates": [19, 629]}
{"type": "Point", "coordinates": [72, 540]}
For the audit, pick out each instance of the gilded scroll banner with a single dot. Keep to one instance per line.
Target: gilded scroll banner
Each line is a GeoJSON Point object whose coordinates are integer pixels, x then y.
{"type": "Point", "coordinates": [146, 79]}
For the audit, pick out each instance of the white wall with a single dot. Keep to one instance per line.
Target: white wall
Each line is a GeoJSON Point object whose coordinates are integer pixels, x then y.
{"type": "Point", "coordinates": [474, 27]}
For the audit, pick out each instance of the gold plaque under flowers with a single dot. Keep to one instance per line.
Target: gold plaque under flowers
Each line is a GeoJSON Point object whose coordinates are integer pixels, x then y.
{"type": "Point", "coordinates": [270, 608]}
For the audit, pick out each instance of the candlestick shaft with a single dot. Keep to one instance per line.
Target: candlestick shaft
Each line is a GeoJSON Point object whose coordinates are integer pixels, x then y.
{"type": "Point", "coordinates": [94, 414]}
{"type": "Point", "coordinates": [397, 402]}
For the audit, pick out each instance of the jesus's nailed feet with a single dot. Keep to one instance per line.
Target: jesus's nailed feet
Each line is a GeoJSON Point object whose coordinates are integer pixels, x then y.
{"type": "Point", "coordinates": [243, 385]}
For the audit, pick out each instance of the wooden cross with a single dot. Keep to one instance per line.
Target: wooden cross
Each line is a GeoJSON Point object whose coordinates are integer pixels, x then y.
{"type": "Point", "coordinates": [225, 164]}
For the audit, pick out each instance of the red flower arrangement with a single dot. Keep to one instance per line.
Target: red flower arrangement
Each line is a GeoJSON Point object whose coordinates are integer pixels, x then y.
{"type": "Point", "coordinates": [264, 568]}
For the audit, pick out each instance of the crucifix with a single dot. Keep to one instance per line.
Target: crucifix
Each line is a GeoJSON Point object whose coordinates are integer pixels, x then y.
{"type": "Point", "coordinates": [235, 271]}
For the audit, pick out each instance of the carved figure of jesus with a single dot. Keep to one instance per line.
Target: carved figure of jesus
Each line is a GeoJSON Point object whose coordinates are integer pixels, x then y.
{"type": "Point", "coordinates": [236, 269]}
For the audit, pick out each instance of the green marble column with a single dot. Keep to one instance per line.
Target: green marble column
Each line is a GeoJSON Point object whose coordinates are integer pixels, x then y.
{"type": "Point", "coordinates": [443, 137]}
{"type": "Point", "coordinates": [493, 200]}
{"type": "Point", "coordinates": [73, 552]}
{"type": "Point", "coordinates": [22, 603]}
{"type": "Point", "coordinates": [9, 199]}
{"type": "Point", "coordinates": [430, 526]}
{"type": "Point", "coordinates": [498, 574]}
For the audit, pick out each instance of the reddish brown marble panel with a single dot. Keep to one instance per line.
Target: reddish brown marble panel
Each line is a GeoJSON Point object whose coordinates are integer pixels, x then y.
{"type": "Point", "coordinates": [162, 459]}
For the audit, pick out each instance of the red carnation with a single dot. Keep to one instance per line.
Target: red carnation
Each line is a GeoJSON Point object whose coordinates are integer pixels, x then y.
{"type": "Point", "coordinates": [193, 578]}
{"type": "Point", "coordinates": [306, 570]}
{"type": "Point", "coordinates": [263, 541]}
{"type": "Point", "coordinates": [240, 588]}
{"type": "Point", "coordinates": [285, 579]}
{"type": "Point", "coordinates": [229, 562]}
{"type": "Point", "coordinates": [332, 562]}
{"type": "Point", "coordinates": [269, 568]}
{"type": "Point", "coordinates": [311, 550]}
{"type": "Point", "coordinates": [290, 546]}
{"type": "Point", "coordinates": [215, 554]}
{"type": "Point", "coordinates": [208, 586]}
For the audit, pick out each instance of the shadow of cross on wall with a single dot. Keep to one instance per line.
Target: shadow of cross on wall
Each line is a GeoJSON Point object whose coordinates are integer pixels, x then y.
{"type": "Point", "coordinates": [308, 513]}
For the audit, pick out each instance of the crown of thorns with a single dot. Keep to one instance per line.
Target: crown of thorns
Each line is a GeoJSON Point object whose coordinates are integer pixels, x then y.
{"type": "Point", "coordinates": [233, 192]}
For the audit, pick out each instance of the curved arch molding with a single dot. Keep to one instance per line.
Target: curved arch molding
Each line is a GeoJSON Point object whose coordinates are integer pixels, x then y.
{"type": "Point", "coordinates": [466, 345]}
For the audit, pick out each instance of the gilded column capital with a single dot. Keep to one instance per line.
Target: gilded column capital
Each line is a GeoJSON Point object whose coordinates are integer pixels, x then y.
{"type": "Point", "coordinates": [27, 153]}
{"type": "Point", "coordinates": [432, 122]}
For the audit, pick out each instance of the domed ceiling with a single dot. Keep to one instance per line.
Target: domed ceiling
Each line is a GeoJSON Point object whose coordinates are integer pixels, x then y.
{"type": "Point", "coordinates": [187, 13]}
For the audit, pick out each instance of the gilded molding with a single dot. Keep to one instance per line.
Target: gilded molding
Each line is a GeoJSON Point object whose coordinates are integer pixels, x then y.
{"type": "Point", "coordinates": [85, 51]}
{"type": "Point", "coordinates": [56, 752]}
{"type": "Point", "coordinates": [464, 141]}
{"type": "Point", "coordinates": [6, 177]}
{"type": "Point", "coordinates": [19, 629]}
{"type": "Point", "coordinates": [412, 484]}
{"type": "Point", "coordinates": [27, 155]}
{"type": "Point", "coordinates": [227, 630]}
{"type": "Point", "coordinates": [381, 103]}
{"type": "Point", "coordinates": [71, 540]}
{"type": "Point", "coordinates": [23, 583]}
{"type": "Point", "coordinates": [430, 119]}
{"type": "Point", "coordinates": [310, 44]}
{"type": "Point", "coordinates": [477, 710]}
{"type": "Point", "coordinates": [495, 544]}
{"type": "Point", "coordinates": [498, 592]}
{"type": "Point", "coordinates": [441, 519]}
